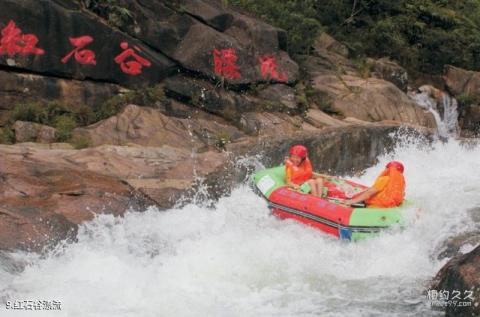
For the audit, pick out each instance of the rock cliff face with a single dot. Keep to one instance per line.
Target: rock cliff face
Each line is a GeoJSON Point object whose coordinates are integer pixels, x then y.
{"type": "Point", "coordinates": [69, 50]}
{"type": "Point", "coordinates": [230, 90]}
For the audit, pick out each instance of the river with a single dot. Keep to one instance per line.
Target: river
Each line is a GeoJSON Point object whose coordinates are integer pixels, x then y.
{"type": "Point", "coordinates": [235, 259]}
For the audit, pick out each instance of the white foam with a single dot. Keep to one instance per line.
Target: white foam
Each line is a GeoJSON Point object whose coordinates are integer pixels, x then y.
{"type": "Point", "coordinates": [237, 260]}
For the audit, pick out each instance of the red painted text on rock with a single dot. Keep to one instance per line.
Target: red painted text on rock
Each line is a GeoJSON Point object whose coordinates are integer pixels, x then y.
{"type": "Point", "coordinates": [14, 42]}
{"type": "Point", "coordinates": [224, 61]}
{"type": "Point", "coordinates": [131, 67]}
{"type": "Point", "coordinates": [82, 56]}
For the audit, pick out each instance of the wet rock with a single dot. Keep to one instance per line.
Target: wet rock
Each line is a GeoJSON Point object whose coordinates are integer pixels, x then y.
{"type": "Point", "coordinates": [454, 247]}
{"type": "Point", "coordinates": [470, 120]}
{"type": "Point", "coordinates": [340, 150]}
{"type": "Point", "coordinates": [388, 70]}
{"type": "Point", "coordinates": [461, 274]}
{"type": "Point", "coordinates": [33, 132]}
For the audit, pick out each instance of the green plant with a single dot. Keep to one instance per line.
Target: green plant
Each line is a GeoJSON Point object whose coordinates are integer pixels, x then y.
{"type": "Point", "coordinates": [154, 94]}
{"type": "Point", "coordinates": [80, 142]}
{"type": "Point", "coordinates": [465, 100]}
{"type": "Point", "coordinates": [84, 115]}
{"type": "Point", "coordinates": [7, 136]}
{"type": "Point", "coordinates": [223, 138]}
{"type": "Point", "coordinates": [364, 67]}
{"type": "Point", "coordinates": [28, 111]}
{"type": "Point", "coordinates": [64, 125]}
{"type": "Point", "coordinates": [110, 107]}
{"type": "Point", "coordinates": [44, 113]}
{"type": "Point", "coordinates": [297, 17]}
{"type": "Point", "coordinates": [112, 10]}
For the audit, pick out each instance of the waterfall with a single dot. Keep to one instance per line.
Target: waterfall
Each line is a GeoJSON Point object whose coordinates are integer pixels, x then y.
{"type": "Point", "coordinates": [443, 107]}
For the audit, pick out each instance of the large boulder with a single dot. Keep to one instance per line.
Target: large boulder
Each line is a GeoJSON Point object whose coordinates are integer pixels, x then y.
{"type": "Point", "coordinates": [369, 99]}
{"type": "Point", "coordinates": [43, 197]}
{"type": "Point", "coordinates": [60, 27]}
{"type": "Point", "coordinates": [33, 132]}
{"type": "Point", "coordinates": [388, 70]}
{"type": "Point", "coordinates": [149, 127]}
{"type": "Point", "coordinates": [461, 274]}
{"type": "Point", "coordinates": [460, 81]}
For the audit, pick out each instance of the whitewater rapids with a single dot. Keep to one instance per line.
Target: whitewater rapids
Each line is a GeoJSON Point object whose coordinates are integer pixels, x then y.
{"type": "Point", "coordinates": [237, 260]}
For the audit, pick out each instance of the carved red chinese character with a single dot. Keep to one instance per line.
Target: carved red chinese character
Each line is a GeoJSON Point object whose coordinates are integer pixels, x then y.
{"type": "Point", "coordinates": [132, 67]}
{"type": "Point", "coordinates": [224, 61]}
{"type": "Point", "coordinates": [83, 56]}
{"type": "Point", "coordinates": [268, 69]}
{"type": "Point", "coordinates": [14, 42]}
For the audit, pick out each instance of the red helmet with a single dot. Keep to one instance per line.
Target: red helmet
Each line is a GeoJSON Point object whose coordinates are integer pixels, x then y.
{"type": "Point", "coordinates": [299, 150]}
{"type": "Point", "coordinates": [397, 165]}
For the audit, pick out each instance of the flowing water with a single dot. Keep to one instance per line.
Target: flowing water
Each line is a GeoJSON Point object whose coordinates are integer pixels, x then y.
{"type": "Point", "coordinates": [447, 123]}
{"type": "Point", "coordinates": [237, 260]}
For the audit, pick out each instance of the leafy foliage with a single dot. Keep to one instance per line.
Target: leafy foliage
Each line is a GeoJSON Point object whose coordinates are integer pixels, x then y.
{"type": "Point", "coordinates": [297, 17]}
{"type": "Point", "coordinates": [64, 125]}
{"type": "Point", "coordinates": [422, 35]}
{"type": "Point", "coordinates": [114, 11]}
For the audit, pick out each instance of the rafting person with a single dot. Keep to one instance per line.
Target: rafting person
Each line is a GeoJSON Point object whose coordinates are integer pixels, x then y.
{"type": "Point", "coordinates": [387, 191]}
{"type": "Point", "coordinates": [299, 174]}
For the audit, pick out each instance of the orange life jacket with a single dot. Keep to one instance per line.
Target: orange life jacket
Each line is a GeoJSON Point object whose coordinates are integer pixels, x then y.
{"type": "Point", "coordinates": [298, 174]}
{"type": "Point", "coordinates": [393, 193]}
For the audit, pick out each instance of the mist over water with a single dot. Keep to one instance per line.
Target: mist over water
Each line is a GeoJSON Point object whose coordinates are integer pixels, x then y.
{"type": "Point", "coordinates": [237, 260]}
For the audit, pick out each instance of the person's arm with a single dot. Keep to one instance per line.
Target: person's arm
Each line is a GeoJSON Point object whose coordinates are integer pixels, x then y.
{"type": "Point", "coordinates": [363, 196]}
{"type": "Point", "coordinates": [293, 185]}
{"type": "Point", "coordinates": [318, 175]}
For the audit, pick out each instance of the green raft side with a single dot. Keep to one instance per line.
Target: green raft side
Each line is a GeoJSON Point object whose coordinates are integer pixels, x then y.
{"type": "Point", "coordinates": [270, 179]}
{"type": "Point", "coordinates": [377, 217]}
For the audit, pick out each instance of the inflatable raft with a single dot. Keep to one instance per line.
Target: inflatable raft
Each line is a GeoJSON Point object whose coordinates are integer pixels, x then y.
{"type": "Point", "coordinates": [326, 214]}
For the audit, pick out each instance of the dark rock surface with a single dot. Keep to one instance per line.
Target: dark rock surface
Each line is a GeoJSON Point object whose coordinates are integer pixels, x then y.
{"type": "Point", "coordinates": [53, 24]}
{"type": "Point", "coordinates": [462, 274]}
